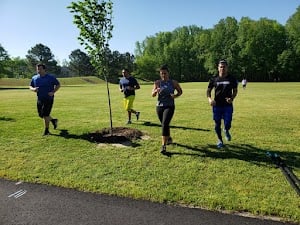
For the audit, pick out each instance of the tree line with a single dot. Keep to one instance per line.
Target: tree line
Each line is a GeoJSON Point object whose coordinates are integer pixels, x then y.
{"type": "Point", "coordinates": [258, 50]}
{"type": "Point", "coordinates": [261, 50]}
{"type": "Point", "coordinates": [79, 63]}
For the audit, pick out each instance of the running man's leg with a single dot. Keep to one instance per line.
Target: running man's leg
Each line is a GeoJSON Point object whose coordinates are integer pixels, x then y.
{"type": "Point", "coordinates": [217, 117]}
{"type": "Point", "coordinates": [228, 111]}
{"type": "Point", "coordinates": [45, 108]}
{"type": "Point", "coordinates": [128, 106]}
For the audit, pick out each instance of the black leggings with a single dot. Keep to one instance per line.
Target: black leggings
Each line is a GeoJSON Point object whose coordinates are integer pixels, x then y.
{"type": "Point", "coordinates": [165, 114]}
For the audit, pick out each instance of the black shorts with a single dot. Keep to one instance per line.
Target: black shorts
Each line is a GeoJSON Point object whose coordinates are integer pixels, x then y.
{"type": "Point", "coordinates": [44, 107]}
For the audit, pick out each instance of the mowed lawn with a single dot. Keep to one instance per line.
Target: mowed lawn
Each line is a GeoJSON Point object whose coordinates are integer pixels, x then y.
{"type": "Point", "coordinates": [240, 178]}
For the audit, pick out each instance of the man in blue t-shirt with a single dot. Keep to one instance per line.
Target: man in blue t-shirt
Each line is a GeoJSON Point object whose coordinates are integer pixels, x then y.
{"type": "Point", "coordinates": [226, 88]}
{"type": "Point", "coordinates": [128, 85]}
{"type": "Point", "coordinates": [45, 85]}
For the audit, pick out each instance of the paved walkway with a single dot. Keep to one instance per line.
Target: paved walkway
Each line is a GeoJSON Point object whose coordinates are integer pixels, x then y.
{"type": "Point", "coordinates": [34, 204]}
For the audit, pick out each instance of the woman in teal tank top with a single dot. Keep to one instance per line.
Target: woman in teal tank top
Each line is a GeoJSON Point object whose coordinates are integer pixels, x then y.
{"type": "Point", "coordinates": [165, 89]}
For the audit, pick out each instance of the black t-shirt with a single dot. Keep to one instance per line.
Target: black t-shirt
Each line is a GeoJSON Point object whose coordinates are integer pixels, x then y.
{"type": "Point", "coordinates": [128, 82]}
{"type": "Point", "coordinates": [223, 88]}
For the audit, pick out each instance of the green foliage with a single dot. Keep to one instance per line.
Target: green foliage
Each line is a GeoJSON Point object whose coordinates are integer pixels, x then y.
{"type": "Point", "coordinates": [289, 58]}
{"type": "Point", "coordinates": [261, 50]}
{"type": "Point", "coordinates": [293, 27]}
{"type": "Point", "coordinates": [240, 178]}
{"type": "Point", "coordinates": [173, 48]}
{"type": "Point", "coordinates": [223, 42]}
{"type": "Point", "coordinates": [116, 62]}
{"type": "Point", "coordinates": [19, 68]}
{"type": "Point", "coordinates": [42, 54]}
{"type": "Point", "coordinates": [80, 64]}
{"type": "Point", "coordinates": [147, 67]}
{"type": "Point", "coordinates": [94, 20]}
{"type": "Point", "coordinates": [252, 36]}
{"type": "Point", "coordinates": [4, 57]}
{"type": "Point", "coordinates": [3, 54]}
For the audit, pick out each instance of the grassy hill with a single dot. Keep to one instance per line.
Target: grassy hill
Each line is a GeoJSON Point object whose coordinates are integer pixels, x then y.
{"type": "Point", "coordinates": [13, 82]}
{"type": "Point", "coordinates": [7, 83]}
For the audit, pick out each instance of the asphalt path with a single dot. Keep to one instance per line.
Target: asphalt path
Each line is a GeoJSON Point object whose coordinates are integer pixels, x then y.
{"type": "Point", "coordinates": [34, 204]}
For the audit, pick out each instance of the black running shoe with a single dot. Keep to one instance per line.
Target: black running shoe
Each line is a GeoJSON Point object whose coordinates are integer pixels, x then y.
{"type": "Point", "coordinates": [137, 115]}
{"type": "Point", "coordinates": [169, 141]}
{"type": "Point", "coordinates": [46, 132]}
{"type": "Point", "coordinates": [163, 150]}
{"type": "Point", "coordinates": [54, 122]}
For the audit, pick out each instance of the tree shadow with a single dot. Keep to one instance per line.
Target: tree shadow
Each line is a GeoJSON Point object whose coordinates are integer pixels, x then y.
{"type": "Point", "coordinates": [13, 88]}
{"type": "Point", "coordinates": [252, 154]}
{"type": "Point", "coordinates": [150, 124]}
{"type": "Point", "coordinates": [244, 152]}
{"type": "Point", "coordinates": [3, 118]}
{"type": "Point", "coordinates": [97, 138]}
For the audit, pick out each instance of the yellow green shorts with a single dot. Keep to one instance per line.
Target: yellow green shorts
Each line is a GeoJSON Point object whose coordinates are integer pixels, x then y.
{"type": "Point", "coordinates": [128, 102]}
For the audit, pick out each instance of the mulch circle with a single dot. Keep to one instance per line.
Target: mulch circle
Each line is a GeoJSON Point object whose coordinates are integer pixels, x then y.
{"type": "Point", "coordinates": [119, 135]}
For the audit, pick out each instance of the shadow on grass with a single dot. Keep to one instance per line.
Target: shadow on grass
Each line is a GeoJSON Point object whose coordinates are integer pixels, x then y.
{"type": "Point", "coordinates": [13, 88]}
{"type": "Point", "coordinates": [89, 137]}
{"type": "Point", "coordinates": [3, 118]}
{"type": "Point", "coordinates": [150, 124]}
{"type": "Point", "coordinates": [252, 154]}
{"type": "Point", "coordinates": [245, 152]}
{"type": "Point", "coordinates": [65, 134]}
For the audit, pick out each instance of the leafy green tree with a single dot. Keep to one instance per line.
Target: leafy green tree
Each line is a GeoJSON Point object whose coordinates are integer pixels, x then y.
{"type": "Point", "coordinates": [117, 61]}
{"type": "Point", "coordinates": [19, 68]}
{"type": "Point", "coordinates": [261, 43]}
{"type": "Point", "coordinates": [293, 29]}
{"type": "Point", "coordinates": [80, 64]}
{"type": "Point", "coordinates": [174, 48]}
{"type": "Point", "coordinates": [146, 67]}
{"type": "Point", "coordinates": [202, 41]}
{"type": "Point", "coordinates": [148, 58]}
{"type": "Point", "coordinates": [246, 54]}
{"type": "Point", "coordinates": [94, 21]}
{"type": "Point", "coordinates": [3, 54]}
{"type": "Point", "coordinates": [4, 58]}
{"type": "Point", "coordinates": [223, 43]}
{"type": "Point", "coordinates": [183, 54]}
{"type": "Point", "coordinates": [289, 60]}
{"type": "Point", "coordinates": [42, 54]}
{"type": "Point", "coordinates": [261, 50]}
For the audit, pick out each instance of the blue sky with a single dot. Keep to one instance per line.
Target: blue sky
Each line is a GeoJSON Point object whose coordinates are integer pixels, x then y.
{"type": "Point", "coordinates": [25, 23]}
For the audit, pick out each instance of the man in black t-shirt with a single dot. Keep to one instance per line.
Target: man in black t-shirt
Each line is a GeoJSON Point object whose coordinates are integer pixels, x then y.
{"type": "Point", "coordinates": [226, 90]}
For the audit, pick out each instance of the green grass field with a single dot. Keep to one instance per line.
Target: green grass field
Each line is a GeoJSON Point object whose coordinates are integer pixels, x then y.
{"type": "Point", "coordinates": [240, 178]}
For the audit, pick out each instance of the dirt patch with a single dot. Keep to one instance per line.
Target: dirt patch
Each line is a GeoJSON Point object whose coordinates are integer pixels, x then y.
{"type": "Point", "coordinates": [119, 135]}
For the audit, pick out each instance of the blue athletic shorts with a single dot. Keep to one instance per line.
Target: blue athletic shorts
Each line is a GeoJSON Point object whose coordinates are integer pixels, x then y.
{"type": "Point", "coordinates": [222, 112]}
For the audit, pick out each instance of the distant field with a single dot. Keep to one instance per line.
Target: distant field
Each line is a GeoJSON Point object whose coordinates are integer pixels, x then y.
{"type": "Point", "coordinates": [21, 83]}
{"type": "Point", "coordinates": [240, 178]}
{"type": "Point", "coordinates": [12, 82]}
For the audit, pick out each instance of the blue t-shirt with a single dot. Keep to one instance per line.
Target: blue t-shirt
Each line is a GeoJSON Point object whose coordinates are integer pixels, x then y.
{"type": "Point", "coordinates": [45, 85]}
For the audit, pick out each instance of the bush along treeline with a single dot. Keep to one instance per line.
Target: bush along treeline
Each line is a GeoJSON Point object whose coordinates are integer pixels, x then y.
{"type": "Point", "coordinates": [79, 63]}
{"type": "Point", "coordinates": [258, 50]}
